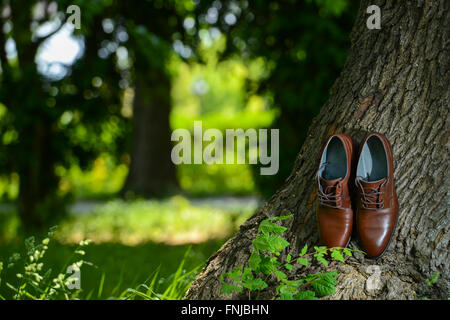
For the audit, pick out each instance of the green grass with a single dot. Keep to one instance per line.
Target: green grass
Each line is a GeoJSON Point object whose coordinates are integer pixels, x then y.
{"type": "Point", "coordinates": [171, 288]}
{"type": "Point", "coordinates": [117, 267]}
{"type": "Point", "coordinates": [140, 249]}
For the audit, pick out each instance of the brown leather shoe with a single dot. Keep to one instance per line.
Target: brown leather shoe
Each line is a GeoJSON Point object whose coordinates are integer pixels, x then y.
{"type": "Point", "coordinates": [334, 212]}
{"type": "Point", "coordinates": [377, 204]}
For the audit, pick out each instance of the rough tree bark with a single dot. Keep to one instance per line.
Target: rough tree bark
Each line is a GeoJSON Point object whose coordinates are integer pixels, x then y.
{"type": "Point", "coordinates": [395, 81]}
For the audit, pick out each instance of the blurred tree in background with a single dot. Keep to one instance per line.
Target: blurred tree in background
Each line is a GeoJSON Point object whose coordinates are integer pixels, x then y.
{"type": "Point", "coordinates": [53, 120]}
{"type": "Point", "coordinates": [151, 26]}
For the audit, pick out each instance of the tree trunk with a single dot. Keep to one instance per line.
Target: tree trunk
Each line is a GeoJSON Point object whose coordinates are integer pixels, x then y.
{"type": "Point", "coordinates": [152, 172]}
{"type": "Point", "coordinates": [37, 201]}
{"type": "Point", "coordinates": [33, 155]}
{"type": "Point", "coordinates": [395, 81]}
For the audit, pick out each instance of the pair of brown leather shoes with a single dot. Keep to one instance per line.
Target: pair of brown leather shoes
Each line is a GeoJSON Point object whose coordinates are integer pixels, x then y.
{"type": "Point", "coordinates": [375, 201]}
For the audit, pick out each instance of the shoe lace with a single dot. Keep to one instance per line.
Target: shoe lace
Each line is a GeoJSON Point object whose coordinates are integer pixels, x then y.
{"type": "Point", "coordinates": [328, 196]}
{"type": "Point", "coordinates": [370, 196]}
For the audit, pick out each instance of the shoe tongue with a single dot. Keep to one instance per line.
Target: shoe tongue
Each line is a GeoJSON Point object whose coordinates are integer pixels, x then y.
{"type": "Point", "coordinates": [329, 183]}
{"type": "Point", "coordinates": [374, 187]}
{"type": "Point", "coordinates": [372, 184]}
{"type": "Point", "coordinates": [331, 188]}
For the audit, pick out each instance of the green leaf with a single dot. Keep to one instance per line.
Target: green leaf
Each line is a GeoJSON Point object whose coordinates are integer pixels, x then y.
{"type": "Point", "coordinates": [275, 261]}
{"type": "Point", "coordinates": [303, 252]}
{"type": "Point", "coordinates": [280, 275]}
{"type": "Point", "coordinates": [288, 266]}
{"type": "Point", "coordinates": [234, 274]}
{"type": "Point", "coordinates": [254, 261]}
{"type": "Point", "coordinates": [334, 273]}
{"type": "Point", "coordinates": [286, 296]}
{"type": "Point", "coordinates": [255, 284]}
{"type": "Point", "coordinates": [247, 274]}
{"type": "Point", "coordinates": [266, 226]}
{"type": "Point", "coordinates": [348, 252]}
{"type": "Point", "coordinates": [303, 261]}
{"type": "Point", "coordinates": [312, 276]}
{"type": "Point", "coordinates": [321, 249]}
{"type": "Point", "coordinates": [260, 284]}
{"type": "Point", "coordinates": [434, 277]}
{"type": "Point", "coordinates": [323, 288]}
{"type": "Point", "coordinates": [288, 258]}
{"type": "Point", "coordinates": [330, 277]}
{"type": "Point", "coordinates": [261, 242]}
{"type": "Point", "coordinates": [277, 244]}
{"type": "Point", "coordinates": [281, 217]}
{"type": "Point", "coordinates": [294, 283]}
{"type": "Point", "coordinates": [283, 288]}
{"type": "Point", "coordinates": [306, 295]}
{"type": "Point", "coordinates": [227, 288]}
{"type": "Point", "coordinates": [336, 254]}
{"type": "Point", "coordinates": [322, 260]}
{"type": "Point", "coordinates": [268, 265]}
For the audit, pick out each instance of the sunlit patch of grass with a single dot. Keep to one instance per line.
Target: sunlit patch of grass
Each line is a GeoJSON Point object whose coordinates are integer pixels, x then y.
{"type": "Point", "coordinates": [171, 221]}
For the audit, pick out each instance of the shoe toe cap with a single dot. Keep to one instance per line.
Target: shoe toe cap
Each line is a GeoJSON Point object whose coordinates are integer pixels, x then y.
{"type": "Point", "coordinates": [375, 241]}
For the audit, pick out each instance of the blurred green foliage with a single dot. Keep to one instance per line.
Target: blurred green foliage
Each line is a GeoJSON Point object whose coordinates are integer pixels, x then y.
{"type": "Point", "coordinates": [304, 46]}
{"type": "Point", "coordinates": [215, 94]}
{"type": "Point", "coordinates": [224, 106]}
{"type": "Point", "coordinates": [174, 220]}
{"type": "Point", "coordinates": [270, 67]}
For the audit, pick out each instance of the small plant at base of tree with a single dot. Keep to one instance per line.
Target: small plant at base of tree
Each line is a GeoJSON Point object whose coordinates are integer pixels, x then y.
{"type": "Point", "coordinates": [264, 260]}
{"type": "Point", "coordinates": [432, 279]}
